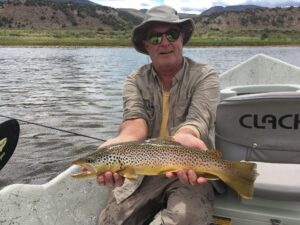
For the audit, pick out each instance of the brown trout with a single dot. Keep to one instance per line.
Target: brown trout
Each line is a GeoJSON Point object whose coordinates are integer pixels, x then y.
{"type": "Point", "coordinates": [156, 157]}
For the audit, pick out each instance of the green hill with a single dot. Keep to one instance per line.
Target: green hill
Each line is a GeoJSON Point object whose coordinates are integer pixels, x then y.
{"type": "Point", "coordinates": [82, 23]}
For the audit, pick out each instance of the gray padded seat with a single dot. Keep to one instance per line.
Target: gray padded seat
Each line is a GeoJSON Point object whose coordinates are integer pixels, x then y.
{"type": "Point", "coordinates": [264, 128]}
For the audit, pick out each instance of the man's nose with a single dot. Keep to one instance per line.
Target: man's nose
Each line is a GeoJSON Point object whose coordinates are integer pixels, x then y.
{"type": "Point", "coordinates": [164, 40]}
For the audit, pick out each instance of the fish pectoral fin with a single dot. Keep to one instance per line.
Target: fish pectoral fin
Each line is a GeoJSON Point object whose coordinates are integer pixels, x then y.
{"type": "Point", "coordinates": [128, 172]}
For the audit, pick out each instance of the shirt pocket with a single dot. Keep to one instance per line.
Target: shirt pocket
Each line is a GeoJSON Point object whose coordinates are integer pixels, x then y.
{"type": "Point", "coordinates": [150, 109]}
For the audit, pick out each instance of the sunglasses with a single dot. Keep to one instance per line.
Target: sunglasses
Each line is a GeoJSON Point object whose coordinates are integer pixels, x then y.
{"type": "Point", "coordinates": [172, 35]}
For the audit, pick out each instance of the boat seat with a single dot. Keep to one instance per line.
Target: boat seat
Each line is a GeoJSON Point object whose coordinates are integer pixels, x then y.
{"type": "Point", "coordinates": [280, 180]}
{"type": "Point", "coordinates": [264, 128]}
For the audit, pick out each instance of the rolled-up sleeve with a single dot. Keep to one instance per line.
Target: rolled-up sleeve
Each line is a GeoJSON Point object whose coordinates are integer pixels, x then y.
{"type": "Point", "coordinates": [133, 104]}
{"type": "Point", "coordinates": [201, 112]}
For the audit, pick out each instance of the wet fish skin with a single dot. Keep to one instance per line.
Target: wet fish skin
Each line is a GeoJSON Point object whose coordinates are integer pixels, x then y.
{"type": "Point", "coordinates": [156, 157]}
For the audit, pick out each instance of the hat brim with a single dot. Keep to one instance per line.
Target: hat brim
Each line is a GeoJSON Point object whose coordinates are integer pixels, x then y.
{"type": "Point", "coordinates": [139, 32]}
{"type": "Point", "coordinates": [10, 130]}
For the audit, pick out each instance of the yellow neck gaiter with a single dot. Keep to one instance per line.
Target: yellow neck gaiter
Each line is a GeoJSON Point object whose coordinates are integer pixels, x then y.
{"type": "Point", "coordinates": [164, 131]}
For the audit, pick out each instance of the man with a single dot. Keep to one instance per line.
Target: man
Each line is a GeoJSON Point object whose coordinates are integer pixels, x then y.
{"type": "Point", "coordinates": [173, 96]}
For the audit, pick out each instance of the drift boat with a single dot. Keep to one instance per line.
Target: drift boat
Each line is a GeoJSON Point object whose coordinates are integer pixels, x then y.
{"type": "Point", "coordinates": [258, 120]}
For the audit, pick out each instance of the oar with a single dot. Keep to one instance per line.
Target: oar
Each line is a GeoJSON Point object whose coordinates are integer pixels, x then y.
{"type": "Point", "coordinates": [9, 136]}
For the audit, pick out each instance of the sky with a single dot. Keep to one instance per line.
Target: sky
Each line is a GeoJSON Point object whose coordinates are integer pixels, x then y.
{"type": "Point", "coordinates": [193, 6]}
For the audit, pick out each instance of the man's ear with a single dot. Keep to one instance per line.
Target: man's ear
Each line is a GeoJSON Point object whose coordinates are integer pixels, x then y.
{"type": "Point", "coordinates": [182, 36]}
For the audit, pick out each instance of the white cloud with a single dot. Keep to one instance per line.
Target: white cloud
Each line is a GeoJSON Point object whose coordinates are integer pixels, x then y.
{"type": "Point", "coordinates": [274, 3]}
{"type": "Point", "coordinates": [191, 6]}
{"type": "Point", "coordinates": [137, 4]}
{"type": "Point", "coordinates": [196, 6]}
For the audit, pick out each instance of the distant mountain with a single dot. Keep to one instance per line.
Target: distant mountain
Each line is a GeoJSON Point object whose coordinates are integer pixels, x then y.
{"type": "Point", "coordinates": [134, 12]}
{"type": "Point", "coordinates": [56, 14]}
{"type": "Point", "coordinates": [141, 13]}
{"type": "Point", "coordinates": [57, 1]}
{"type": "Point", "coordinates": [252, 19]}
{"type": "Point", "coordinates": [234, 8]}
{"type": "Point", "coordinates": [73, 1]}
{"type": "Point", "coordinates": [187, 15]}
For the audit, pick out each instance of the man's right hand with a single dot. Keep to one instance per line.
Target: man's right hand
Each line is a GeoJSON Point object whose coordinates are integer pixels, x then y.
{"type": "Point", "coordinates": [130, 130]}
{"type": "Point", "coordinates": [110, 179]}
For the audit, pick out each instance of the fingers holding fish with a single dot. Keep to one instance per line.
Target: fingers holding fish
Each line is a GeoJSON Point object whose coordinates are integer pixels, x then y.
{"type": "Point", "coordinates": [110, 179]}
{"type": "Point", "coordinates": [189, 140]}
{"type": "Point", "coordinates": [119, 180]}
{"type": "Point", "coordinates": [189, 177]}
{"type": "Point", "coordinates": [201, 180]}
{"type": "Point", "coordinates": [192, 177]}
{"type": "Point", "coordinates": [101, 180]}
{"type": "Point", "coordinates": [182, 176]}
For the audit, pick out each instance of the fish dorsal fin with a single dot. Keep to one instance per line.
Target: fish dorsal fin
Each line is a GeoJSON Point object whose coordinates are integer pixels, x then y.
{"type": "Point", "coordinates": [216, 153]}
{"type": "Point", "coordinates": [164, 140]}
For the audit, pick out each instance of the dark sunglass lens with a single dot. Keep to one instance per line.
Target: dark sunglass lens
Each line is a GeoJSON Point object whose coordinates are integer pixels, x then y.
{"type": "Point", "coordinates": [155, 38]}
{"type": "Point", "coordinates": [172, 35]}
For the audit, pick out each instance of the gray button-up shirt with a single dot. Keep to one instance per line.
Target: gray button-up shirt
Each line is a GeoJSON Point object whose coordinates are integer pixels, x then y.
{"type": "Point", "coordinates": [193, 101]}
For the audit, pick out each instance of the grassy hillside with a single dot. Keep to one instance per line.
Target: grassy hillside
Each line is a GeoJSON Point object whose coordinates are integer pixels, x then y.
{"type": "Point", "coordinates": [93, 37]}
{"type": "Point", "coordinates": [48, 23]}
{"type": "Point", "coordinates": [63, 37]}
{"type": "Point", "coordinates": [275, 19]}
{"type": "Point", "coordinates": [37, 14]}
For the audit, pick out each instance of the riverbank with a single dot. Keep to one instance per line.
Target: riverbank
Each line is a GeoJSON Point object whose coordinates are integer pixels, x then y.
{"type": "Point", "coordinates": [118, 38]}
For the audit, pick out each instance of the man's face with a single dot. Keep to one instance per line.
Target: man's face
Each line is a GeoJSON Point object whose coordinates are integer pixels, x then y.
{"type": "Point", "coordinates": [167, 54]}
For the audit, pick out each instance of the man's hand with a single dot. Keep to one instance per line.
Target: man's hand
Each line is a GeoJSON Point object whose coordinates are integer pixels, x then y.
{"type": "Point", "coordinates": [110, 179]}
{"type": "Point", "coordinates": [187, 138]}
{"type": "Point", "coordinates": [187, 178]}
{"type": "Point", "coordinates": [130, 130]}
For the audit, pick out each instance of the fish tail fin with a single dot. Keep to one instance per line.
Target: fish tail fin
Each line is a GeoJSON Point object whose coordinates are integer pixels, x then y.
{"type": "Point", "coordinates": [241, 177]}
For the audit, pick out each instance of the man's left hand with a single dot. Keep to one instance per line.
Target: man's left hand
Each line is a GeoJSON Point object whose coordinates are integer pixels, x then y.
{"type": "Point", "coordinates": [186, 138]}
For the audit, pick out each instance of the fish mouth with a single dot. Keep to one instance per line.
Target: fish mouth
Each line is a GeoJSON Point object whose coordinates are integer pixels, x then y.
{"type": "Point", "coordinates": [86, 170]}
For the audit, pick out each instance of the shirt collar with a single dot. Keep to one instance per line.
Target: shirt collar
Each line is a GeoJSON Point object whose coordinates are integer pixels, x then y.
{"type": "Point", "coordinates": [178, 76]}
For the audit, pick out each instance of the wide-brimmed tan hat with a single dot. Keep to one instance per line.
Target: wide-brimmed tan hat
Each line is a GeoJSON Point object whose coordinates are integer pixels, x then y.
{"type": "Point", "coordinates": [163, 14]}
